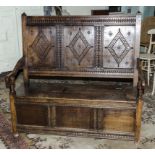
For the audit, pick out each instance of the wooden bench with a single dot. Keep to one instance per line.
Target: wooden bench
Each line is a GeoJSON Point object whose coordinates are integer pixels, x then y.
{"type": "Point", "coordinates": [101, 51]}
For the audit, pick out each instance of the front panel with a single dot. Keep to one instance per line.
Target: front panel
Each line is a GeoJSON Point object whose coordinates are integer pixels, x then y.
{"type": "Point", "coordinates": [74, 117]}
{"type": "Point", "coordinates": [113, 120]}
{"type": "Point", "coordinates": [29, 114]}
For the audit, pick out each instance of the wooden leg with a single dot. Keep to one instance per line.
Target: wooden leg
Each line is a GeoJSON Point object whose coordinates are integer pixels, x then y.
{"type": "Point", "coordinates": [138, 120]}
{"type": "Point", "coordinates": [13, 115]}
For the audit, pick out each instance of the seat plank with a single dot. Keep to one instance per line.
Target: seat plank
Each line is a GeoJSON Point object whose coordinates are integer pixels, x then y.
{"type": "Point", "coordinates": [85, 95]}
{"type": "Point", "coordinates": [79, 91]}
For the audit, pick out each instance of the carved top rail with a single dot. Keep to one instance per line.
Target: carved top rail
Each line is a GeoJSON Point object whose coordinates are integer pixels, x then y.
{"type": "Point", "coordinates": [81, 20]}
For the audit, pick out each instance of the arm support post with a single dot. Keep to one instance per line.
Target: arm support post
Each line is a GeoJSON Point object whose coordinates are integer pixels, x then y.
{"type": "Point", "coordinates": [11, 77]}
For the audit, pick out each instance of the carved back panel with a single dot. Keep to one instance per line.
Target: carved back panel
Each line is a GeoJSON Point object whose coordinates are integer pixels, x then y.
{"type": "Point", "coordinates": [82, 46]}
{"type": "Point", "coordinates": [41, 47]}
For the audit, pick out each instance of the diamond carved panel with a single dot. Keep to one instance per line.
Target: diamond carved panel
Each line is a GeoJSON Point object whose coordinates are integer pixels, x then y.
{"type": "Point", "coordinates": [119, 47]}
{"type": "Point", "coordinates": [79, 46]}
{"type": "Point", "coordinates": [41, 46]}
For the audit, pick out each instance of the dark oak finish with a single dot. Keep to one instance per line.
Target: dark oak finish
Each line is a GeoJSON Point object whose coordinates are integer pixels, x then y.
{"type": "Point", "coordinates": [74, 117]}
{"type": "Point", "coordinates": [102, 52]}
{"type": "Point", "coordinates": [121, 92]}
{"type": "Point", "coordinates": [32, 114]}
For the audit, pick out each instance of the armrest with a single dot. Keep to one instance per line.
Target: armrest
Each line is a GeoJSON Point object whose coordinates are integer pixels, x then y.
{"type": "Point", "coordinates": [141, 80]}
{"type": "Point", "coordinates": [11, 77]}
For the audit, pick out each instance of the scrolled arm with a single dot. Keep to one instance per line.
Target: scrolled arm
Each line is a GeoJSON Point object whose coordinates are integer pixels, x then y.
{"type": "Point", "coordinates": [11, 77]}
